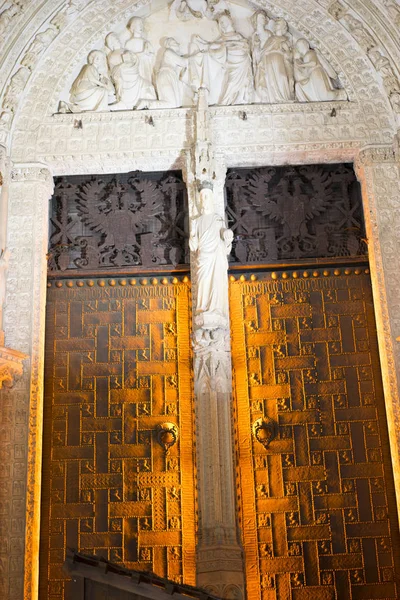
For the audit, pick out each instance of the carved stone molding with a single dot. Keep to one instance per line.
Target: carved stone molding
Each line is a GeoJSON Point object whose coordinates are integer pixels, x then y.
{"type": "Point", "coordinates": [33, 173]}
{"type": "Point", "coordinates": [11, 366]}
{"type": "Point", "coordinates": [371, 155]}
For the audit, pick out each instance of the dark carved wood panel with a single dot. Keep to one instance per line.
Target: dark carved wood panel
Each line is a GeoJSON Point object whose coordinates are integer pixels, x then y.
{"type": "Point", "coordinates": [292, 213]}
{"type": "Point", "coordinates": [116, 221]}
{"type": "Point", "coordinates": [317, 504]}
{"type": "Point", "coordinates": [117, 366]}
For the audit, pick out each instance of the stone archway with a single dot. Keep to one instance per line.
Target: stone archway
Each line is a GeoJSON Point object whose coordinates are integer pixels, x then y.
{"type": "Point", "coordinates": [42, 144]}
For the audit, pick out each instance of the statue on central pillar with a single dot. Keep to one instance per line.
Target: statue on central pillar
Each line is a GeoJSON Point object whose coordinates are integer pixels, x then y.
{"type": "Point", "coordinates": [211, 242]}
{"type": "Point", "coordinates": [219, 553]}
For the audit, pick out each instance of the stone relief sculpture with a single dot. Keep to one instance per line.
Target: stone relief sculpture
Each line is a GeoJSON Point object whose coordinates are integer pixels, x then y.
{"type": "Point", "coordinates": [114, 51]}
{"type": "Point", "coordinates": [313, 81]}
{"type": "Point", "coordinates": [8, 14]}
{"type": "Point", "coordinates": [40, 43]}
{"type": "Point", "coordinates": [235, 68]}
{"type": "Point", "coordinates": [138, 44]}
{"type": "Point", "coordinates": [275, 66]}
{"type": "Point", "coordinates": [170, 79]}
{"type": "Point", "coordinates": [225, 65]}
{"type": "Point", "coordinates": [360, 34]}
{"type": "Point", "coordinates": [92, 87]}
{"type": "Point", "coordinates": [212, 360]}
{"type": "Point", "coordinates": [259, 38]}
{"type": "Point", "coordinates": [383, 67]}
{"type": "Point", "coordinates": [196, 9]}
{"type": "Point", "coordinates": [211, 242]}
{"type": "Point", "coordinates": [15, 88]}
{"type": "Point", "coordinates": [130, 86]}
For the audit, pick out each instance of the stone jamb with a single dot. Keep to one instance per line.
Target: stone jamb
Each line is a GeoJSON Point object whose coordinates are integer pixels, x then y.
{"type": "Point", "coordinates": [30, 189]}
{"type": "Point", "coordinates": [378, 171]}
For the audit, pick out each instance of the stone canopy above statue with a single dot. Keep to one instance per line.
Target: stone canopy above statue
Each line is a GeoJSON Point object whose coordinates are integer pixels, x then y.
{"type": "Point", "coordinates": [240, 56]}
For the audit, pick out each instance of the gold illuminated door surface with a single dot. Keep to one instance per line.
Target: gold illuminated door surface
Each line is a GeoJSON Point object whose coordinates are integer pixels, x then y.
{"type": "Point", "coordinates": [117, 365]}
{"type": "Point", "coordinates": [317, 506]}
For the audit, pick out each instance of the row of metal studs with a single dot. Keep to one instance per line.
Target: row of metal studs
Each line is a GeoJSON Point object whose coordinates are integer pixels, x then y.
{"type": "Point", "coordinates": [305, 274]}
{"type": "Point", "coordinates": [113, 282]}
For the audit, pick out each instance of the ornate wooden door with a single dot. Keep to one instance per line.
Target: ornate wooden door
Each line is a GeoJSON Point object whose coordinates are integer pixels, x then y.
{"type": "Point", "coordinates": [316, 495]}
{"type": "Point", "coordinates": [117, 368]}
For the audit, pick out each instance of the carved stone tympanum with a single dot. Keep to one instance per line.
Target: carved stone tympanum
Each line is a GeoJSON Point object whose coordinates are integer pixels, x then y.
{"type": "Point", "coordinates": [239, 59]}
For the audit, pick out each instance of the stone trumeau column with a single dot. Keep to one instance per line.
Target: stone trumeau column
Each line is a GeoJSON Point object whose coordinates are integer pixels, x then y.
{"type": "Point", "coordinates": [29, 190]}
{"type": "Point", "coordinates": [378, 170]}
{"type": "Point", "coordinates": [219, 554]}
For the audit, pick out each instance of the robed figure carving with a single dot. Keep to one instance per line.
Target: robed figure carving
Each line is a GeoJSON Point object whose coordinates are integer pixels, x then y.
{"type": "Point", "coordinates": [273, 63]}
{"type": "Point", "coordinates": [224, 65]}
{"type": "Point", "coordinates": [211, 242]}
{"type": "Point", "coordinates": [92, 87]}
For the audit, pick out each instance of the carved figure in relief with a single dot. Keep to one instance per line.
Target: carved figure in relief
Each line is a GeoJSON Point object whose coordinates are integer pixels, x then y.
{"type": "Point", "coordinates": [212, 360]}
{"type": "Point", "coordinates": [393, 10]}
{"type": "Point", "coordinates": [138, 44]}
{"type": "Point", "coordinates": [235, 70]}
{"type": "Point", "coordinates": [395, 102]}
{"type": "Point", "coordinates": [40, 43]}
{"type": "Point", "coordinates": [130, 86]}
{"type": "Point", "coordinates": [225, 69]}
{"type": "Point", "coordinates": [8, 14]}
{"type": "Point", "coordinates": [170, 83]}
{"type": "Point", "coordinates": [92, 87]}
{"type": "Point", "coordinates": [196, 9]}
{"type": "Point", "coordinates": [114, 51]}
{"type": "Point", "coordinates": [17, 84]}
{"type": "Point", "coordinates": [211, 242]}
{"type": "Point", "coordinates": [67, 13]}
{"type": "Point", "coordinates": [337, 10]}
{"type": "Point", "coordinates": [170, 87]}
{"type": "Point", "coordinates": [275, 66]}
{"type": "Point", "coordinates": [188, 9]}
{"type": "Point", "coordinates": [359, 32]}
{"type": "Point", "coordinates": [314, 80]}
{"type": "Point", "coordinates": [383, 66]}
{"type": "Point", "coordinates": [258, 40]}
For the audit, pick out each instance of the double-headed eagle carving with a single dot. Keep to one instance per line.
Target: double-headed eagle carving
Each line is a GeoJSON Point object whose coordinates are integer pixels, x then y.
{"type": "Point", "coordinates": [119, 213]}
{"type": "Point", "coordinates": [293, 201]}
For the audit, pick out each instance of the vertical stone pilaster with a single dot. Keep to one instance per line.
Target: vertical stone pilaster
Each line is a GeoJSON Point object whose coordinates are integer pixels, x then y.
{"type": "Point", "coordinates": [21, 407]}
{"type": "Point", "coordinates": [219, 554]}
{"type": "Point", "coordinates": [11, 361]}
{"type": "Point", "coordinates": [4, 184]}
{"type": "Point", "coordinates": [378, 170]}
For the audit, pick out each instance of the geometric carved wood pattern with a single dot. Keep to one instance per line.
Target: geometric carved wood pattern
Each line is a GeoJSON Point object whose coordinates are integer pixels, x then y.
{"type": "Point", "coordinates": [117, 365]}
{"type": "Point", "coordinates": [317, 505]}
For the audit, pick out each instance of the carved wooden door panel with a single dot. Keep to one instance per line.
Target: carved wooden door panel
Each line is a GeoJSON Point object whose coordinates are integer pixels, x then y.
{"type": "Point", "coordinates": [117, 367]}
{"type": "Point", "coordinates": [317, 504]}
